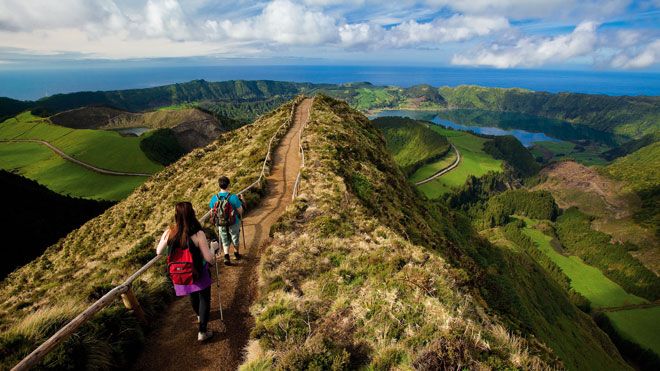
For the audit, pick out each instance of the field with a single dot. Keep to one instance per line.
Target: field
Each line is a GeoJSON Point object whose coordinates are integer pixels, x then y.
{"type": "Point", "coordinates": [427, 171]}
{"type": "Point", "coordinates": [474, 162]}
{"type": "Point", "coordinates": [639, 325]}
{"type": "Point", "coordinates": [39, 163]}
{"type": "Point", "coordinates": [556, 151]}
{"type": "Point", "coordinates": [585, 279]}
{"type": "Point", "coordinates": [104, 149]}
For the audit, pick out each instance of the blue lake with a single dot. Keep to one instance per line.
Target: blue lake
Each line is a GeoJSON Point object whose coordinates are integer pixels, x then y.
{"type": "Point", "coordinates": [526, 128]}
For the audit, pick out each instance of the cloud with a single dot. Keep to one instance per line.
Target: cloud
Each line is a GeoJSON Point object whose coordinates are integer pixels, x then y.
{"type": "Point", "coordinates": [543, 9]}
{"type": "Point", "coordinates": [412, 33]}
{"type": "Point", "coordinates": [635, 59]}
{"type": "Point", "coordinates": [281, 21]}
{"type": "Point", "coordinates": [534, 51]}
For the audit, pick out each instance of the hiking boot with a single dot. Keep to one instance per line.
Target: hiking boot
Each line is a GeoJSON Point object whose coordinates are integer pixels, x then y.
{"type": "Point", "coordinates": [237, 255]}
{"type": "Point", "coordinates": [227, 261]}
{"type": "Point", "coordinates": [203, 336]}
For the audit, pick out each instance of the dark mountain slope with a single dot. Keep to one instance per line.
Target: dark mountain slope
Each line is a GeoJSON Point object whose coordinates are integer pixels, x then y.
{"type": "Point", "coordinates": [35, 217]}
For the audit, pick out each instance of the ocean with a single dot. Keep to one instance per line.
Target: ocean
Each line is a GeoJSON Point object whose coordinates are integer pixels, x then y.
{"type": "Point", "coordinates": [32, 84]}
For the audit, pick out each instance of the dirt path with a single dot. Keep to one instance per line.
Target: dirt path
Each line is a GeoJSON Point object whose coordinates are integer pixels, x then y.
{"type": "Point", "coordinates": [60, 153]}
{"type": "Point", "coordinates": [177, 330]}
{"type": "Point", "coordinates": [445, 170]}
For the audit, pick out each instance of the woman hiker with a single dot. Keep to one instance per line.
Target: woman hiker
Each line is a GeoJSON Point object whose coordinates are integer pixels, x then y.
{"type": "Point", "coordinates": [189, 258]}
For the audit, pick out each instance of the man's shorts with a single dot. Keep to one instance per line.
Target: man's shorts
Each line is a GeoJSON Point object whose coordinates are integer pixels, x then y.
{"type": "Point", "coordinates": [230, 235]}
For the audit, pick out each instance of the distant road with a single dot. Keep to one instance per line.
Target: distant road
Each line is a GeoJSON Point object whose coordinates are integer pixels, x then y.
{"type": "Point", "coordinates": [445, 170]}
{"type": "Point", "coordinates": [60, 153]}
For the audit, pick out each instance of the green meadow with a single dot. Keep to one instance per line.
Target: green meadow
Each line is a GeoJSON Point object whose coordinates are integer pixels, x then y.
{"type": "Point", "coordinates": [39, 163]}
{"type": "Point", "coordinates": [641, 326]}
{"type": "Point", "coordinates": [474, 162]}
{"type": "Point", "coordinates": [104, 149]}
{"type": "Point", "coordinates": [585, 279]}
{"type": "Point", "coordinates": [588, 155]}
{"type": "Point", "coordinates": [427, 171]}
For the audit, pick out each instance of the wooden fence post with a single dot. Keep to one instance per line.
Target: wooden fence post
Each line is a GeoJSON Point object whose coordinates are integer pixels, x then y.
{"type": "Point", "coordinates": [131, 303]}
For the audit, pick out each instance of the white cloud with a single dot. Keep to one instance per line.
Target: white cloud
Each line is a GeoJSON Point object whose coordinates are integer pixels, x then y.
{"type": "Point", "coordinates": [647, 56]}
{"type": "Point", "coordinates": [544, 9]}
{"type": "Point", "coordinates": [412, 33]}
{"type": "Point", "coordinates": [534, 51]}
{"type": "Point", "coordinates": [281, 21]}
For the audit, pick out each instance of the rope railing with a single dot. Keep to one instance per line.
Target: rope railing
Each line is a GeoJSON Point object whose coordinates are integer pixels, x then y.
{"type": "Point", "coordinates": [124, 290]}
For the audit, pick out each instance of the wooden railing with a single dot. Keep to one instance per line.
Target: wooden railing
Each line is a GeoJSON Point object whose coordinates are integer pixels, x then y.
{"type": "Point", "coordinates": [296, 185]}
{"type": "Point", "coordinates": [124, 290]}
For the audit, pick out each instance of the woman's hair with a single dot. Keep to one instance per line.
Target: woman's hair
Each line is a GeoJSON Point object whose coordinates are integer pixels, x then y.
{"type": "Point", "coordinates": [186, 224]}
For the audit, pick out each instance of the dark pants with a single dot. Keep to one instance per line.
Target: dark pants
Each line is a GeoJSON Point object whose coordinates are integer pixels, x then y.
{"type": "Point", "coordinates": [201, 303]}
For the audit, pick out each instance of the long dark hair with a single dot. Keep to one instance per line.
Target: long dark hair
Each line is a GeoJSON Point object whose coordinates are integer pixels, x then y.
{"type": "Point", "coordinates": [186, 225]}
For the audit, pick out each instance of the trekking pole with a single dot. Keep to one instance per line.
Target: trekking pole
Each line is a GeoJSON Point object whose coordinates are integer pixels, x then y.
{"type": "Point", "coordinates": [243, 231]}
{"type": "Point", "coordinates": [217, 282]}
{"type": "Point", "coordinates": [217, 278]}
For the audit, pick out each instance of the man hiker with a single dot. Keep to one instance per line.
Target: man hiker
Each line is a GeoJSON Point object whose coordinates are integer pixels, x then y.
{"type": "Point", "coordinates": [226, 213]}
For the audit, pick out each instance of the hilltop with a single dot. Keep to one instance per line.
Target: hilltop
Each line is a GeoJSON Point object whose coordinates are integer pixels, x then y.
{"type": "Point", "coordinates": [631, 117]}
{"type": "Point", "coordinates": [386, 280]}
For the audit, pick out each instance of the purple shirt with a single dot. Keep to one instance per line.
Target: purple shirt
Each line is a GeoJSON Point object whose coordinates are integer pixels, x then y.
{"type": "Point", "coordinates": [202, 282]}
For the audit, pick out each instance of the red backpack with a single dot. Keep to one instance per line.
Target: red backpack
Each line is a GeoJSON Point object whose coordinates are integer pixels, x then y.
{"type": "Point", "coordinates": [181, 266]}
{"type": "Point", "coordinates": [223, 213]}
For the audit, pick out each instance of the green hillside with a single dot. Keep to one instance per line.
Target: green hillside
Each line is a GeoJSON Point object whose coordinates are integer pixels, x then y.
{"type": "Point", "coordinates": [629, 116]}
{"type": "Point", "coordinates": [41, 296]}
{"type": "Point", "coordinates": [372, 282]}
{"type": "Point", "coordinates": [389, 280]}
{"type": "Point", "coordinates": [474, 162]}
{"type": "Point", "coordinates": [640, 170]}
{"type": "Point", "coordinates": [28, 215]}
{"type": "Point", "coordinates": [412, 143]}
{"type": "Point", "coordinates": [104, 149]}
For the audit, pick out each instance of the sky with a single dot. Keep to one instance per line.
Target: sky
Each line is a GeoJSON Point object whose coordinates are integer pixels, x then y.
{"type": "Point", "coordinates": [555, 34]}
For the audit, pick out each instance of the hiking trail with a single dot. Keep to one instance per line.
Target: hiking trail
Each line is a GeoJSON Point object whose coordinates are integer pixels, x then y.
{"type": "Point", "coordinates": [173, 344]}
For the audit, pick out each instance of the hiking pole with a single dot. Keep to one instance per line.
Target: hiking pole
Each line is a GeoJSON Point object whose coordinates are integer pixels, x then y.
{"type": "Point", "coordinates": [217, 278]}
{"type": "Point", "coordinates": [243, 231]}
{"type": "Point", "coordinates": [217, 282]}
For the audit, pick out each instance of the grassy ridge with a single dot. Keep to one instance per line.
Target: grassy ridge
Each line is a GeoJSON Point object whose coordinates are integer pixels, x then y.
{"type": "Point", "coordinates": [366, 285]}
{"type": "Point", "coordinates": [474, 162]}
{"type": "Point", "coordinates": [412, 143]}
{"type": "Point", "coordinates": [38, 298]}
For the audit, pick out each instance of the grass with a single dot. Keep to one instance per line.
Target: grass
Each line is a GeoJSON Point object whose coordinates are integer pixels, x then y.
{"type": "Point", "coordinates": [347, 288]}
{"type": "Point", "coordinates": [368, 98]}
{"type": "Point", "coordinates": [474, 162]}
{"type": "Point", "coordinates": [103, 252]}
{"type": "Point", "coordinates": [639, 325]}
{"type": "Point", "coordinates": [585, 279]}
{"type": "Point", "coordinates": [105, 149]}
{"type": "Point", "coordinates": [557, 151]}
{"type": "Point", "coordinates": [412, 143]}
{"type": "Point", "coordinates": [39, 163]}
{"type": "Point", "coordinates": [427, 171]}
